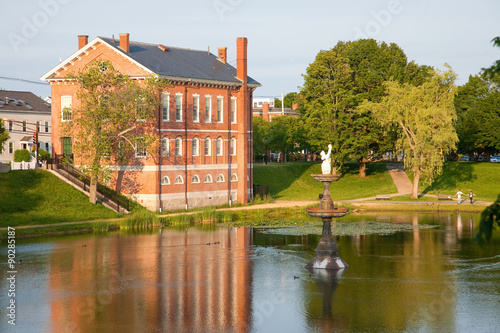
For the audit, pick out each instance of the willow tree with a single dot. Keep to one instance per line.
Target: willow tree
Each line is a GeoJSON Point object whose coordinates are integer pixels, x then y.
{"type": "Point", "coordinates": [114, 120]}
{"type": "Point", "coordinates": [425, 115]}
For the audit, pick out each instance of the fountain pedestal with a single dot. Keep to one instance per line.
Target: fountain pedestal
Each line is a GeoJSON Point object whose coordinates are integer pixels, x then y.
{"type": "Point", "coordinates": [327, 250]}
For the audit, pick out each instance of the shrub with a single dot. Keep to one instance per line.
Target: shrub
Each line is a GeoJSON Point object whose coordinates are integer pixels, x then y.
{"type": "Point", "coordinates": [22, 155]}
{"type": "Point", "coordinates": [44, 155]}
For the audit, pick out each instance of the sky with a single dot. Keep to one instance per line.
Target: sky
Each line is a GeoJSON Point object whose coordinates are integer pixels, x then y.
{"type": "Point", "coordinates": [284, 37]}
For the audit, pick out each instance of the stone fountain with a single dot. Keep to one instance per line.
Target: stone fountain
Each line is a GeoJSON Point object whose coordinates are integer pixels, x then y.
{"type": "Point", "coordinates": [327, 250]}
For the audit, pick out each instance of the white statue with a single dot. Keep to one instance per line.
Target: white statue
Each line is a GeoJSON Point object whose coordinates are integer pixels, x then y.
{"type": "Point", "coordinates": [326, 166]}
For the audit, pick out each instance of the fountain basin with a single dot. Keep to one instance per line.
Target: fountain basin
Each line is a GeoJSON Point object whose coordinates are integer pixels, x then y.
{"type": "Point", "coordinates": [326, 177]}
{"type": "Point", "coordinates": [327, 213]}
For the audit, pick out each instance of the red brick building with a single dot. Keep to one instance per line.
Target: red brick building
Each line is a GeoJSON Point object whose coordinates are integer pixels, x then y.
{"type": "Point", "coordinates": [204, 125]}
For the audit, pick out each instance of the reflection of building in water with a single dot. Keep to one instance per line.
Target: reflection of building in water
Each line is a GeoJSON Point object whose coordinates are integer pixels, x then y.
{"type": "Point", "coordinates": [173, 281]}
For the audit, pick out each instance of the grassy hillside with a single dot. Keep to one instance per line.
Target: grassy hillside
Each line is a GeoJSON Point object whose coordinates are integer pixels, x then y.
{"type": "Point", "coordinates": [293, 181]}
{"type": "Point", "coordinates": [29, 197]}
{"type": "Point", "coordinates": [482, 178]}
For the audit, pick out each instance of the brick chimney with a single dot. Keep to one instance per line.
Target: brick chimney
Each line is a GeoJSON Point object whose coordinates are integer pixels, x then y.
{"type": "Point", "coordinates": [295, 106]}
{"type": "Point", "coordinates": [222, 54]}
{"type": "Point", "coordinates": [82, 41]}
{"type": "Point", "coordinates": [265, 111]}
{"type": "Point", "coordinates": [124, 41]}
{"type": "Point", "coordinates": [241, 58]}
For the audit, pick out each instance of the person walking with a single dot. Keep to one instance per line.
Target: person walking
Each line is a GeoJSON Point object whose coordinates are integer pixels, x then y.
{"type": "Point", "coordinates": [459, 196]}
{"type": "Point", "coordinates": [470, 196]}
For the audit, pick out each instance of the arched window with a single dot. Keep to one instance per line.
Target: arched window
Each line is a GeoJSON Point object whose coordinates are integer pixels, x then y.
{"type": "Point", "coordinates": [208, 178]}
{"type": "Point", "coordinates": [234, 177]}
{"type": "Point", "coordinates": [208, 150]}
{"type": "Point", "coordinates": [195, 146]}
{"type": "Point", "coordinates": [164, 147]}
{"type": "Point", "coordinates": [179, 180]}
{"type": "Point", "coordinates": [220, 178]}
{"type": "Point", "coordinates": [219, 147]}
{"type": "Point", "coordinates": [165, 180]}
{"type": "Point", "coordinates": [195, 179]}
{"type": "Point", "coordinates": [232, 147]}
{"type": "Point", "coordinates": [178, 147]}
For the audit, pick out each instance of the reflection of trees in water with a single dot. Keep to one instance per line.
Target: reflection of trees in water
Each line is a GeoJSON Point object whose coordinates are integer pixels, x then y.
{"type": "Point", "coordinates": [489, 218]}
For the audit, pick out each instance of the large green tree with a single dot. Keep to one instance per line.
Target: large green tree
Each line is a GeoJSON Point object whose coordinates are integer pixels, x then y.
{"type": "Point", "coordinates": [425, 116]}
{"type": "Point", "coordinates": [4, 135]}
{"type": "Point", "coordinates": [337, 82]}
{"type": "Point", "coordinates": [493, 71]}
{"type": "Point", "coordinates": [114, 121]}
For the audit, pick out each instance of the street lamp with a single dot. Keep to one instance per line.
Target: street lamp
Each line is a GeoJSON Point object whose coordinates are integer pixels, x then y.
{"type": "Point", "coordinates": [265, 148]}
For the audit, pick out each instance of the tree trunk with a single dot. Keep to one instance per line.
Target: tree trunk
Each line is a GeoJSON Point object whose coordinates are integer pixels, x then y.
{"type": "Point", "coordinates": [93, 192]}
{"type": "Point", "coordinates": [416, 180]}
{"type": "Point", "coordinates": [362, 167]}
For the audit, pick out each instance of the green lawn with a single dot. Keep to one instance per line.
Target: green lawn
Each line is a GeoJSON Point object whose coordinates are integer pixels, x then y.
{"type": "Point", "coordinates": [482, 178]}
{"type": "Point", "coordinates": [293, 181]}
{"type": "Point", "coordinates": [30, 197]}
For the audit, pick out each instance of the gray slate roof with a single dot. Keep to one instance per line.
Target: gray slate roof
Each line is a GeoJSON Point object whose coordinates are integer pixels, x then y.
{"type": "Point", "coordinates": [179, 62]}
{"type": "Point", "coordinates": [22, 101]}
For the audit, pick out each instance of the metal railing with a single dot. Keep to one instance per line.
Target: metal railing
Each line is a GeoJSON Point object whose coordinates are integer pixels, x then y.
{"type": "Point", "coordinates": [104, 194]}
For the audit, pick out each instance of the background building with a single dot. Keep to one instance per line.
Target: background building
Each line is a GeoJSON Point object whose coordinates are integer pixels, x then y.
{"type": "Point", "coordinates": [22, 112]}
{"type": "Point", "coordinates": [205, 124]}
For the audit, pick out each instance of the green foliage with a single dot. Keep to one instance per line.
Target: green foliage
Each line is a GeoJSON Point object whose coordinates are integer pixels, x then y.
{"type": "Point", "coordinates": [114, 119]}
{"type": "Point", "coordinates": [140, 220]}
{"type": "Point", "coordinates": [4, 135]}
{"type": "Point", "coordinates": [43, 155]}
{"type": "Point", "coordinates": [493, 72]}
{"type": "Point", "coordinates": [289, 99]}
{"type": "Point", "coordinates": [425, 115]}
{"type": "Point", "coordinates": [21, 155]}
{"type": "Point", "coordinates": [261, 130]}
{"type": "Point", "coordinates": [490, 218]}
{"type": "Point", "coordinates": [337, 82]}
{"type": "Point", "coordinates": [31, 197]}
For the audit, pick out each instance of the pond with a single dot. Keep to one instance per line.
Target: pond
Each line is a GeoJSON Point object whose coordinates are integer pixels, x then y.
{"type": "Point", "coordinates": [242, 279]}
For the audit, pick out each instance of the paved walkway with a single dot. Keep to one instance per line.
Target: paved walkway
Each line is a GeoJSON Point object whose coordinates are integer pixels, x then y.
{"type": "Point", "coordinates": [400, 178]}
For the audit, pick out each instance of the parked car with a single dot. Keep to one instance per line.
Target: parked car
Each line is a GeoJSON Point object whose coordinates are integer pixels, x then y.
{"type": "Point", "coordinates": [495, 158]}
{"type": "Point", "coordinates": [464, 158]}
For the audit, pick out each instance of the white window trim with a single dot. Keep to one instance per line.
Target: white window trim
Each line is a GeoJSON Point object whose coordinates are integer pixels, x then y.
{"type": "Point", "coordinates": [209, 147]}
{"type": "Point", "coordinates": [235, 176]}
{"type": "Point", "coordinates": [165, 180]}
{"type": "Point", "coordinates": [178, 182]}
{"type": "Point", "coordinates": [140, 155]}
{"type": "Point", "coordinates": [193, 179]}
{"type": "Point", "coordinates": [223, 178]}
{"type": "Point", "coordinates": [167, 96]}
{"type": "Point", "coordinates": [220, 98]}
{"type": "Point", "coordinates": [164, 152]}
{"type": "Point", "coordinates": [197, 153]}
{"type": "Point", "coordinates": [180, 111]}
{"type": "Point", "coordinates": [221, 153]}
{"type": "Point", "coordinates": [64, 105]}
{"type": "Point", "coordinates": [178, 139]}
{"type": "Point", "coordinates": [208, 178]}
{"type": "Point", "coordinates": [232, 149]}
{"type": "Point", "coordinates": [209, 120]}
{"type": "Point", "coordinates": [234, 100]}
{"type": "Point", "coordinates": [197, 97]}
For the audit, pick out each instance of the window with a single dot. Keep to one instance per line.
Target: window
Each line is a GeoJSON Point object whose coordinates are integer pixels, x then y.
{"type": "Point", "coordinates": [219, 110]}
{"type": "Point", "coordinates": [139, 109]}
{"type": "Point", "coordinates": [165, 180]}
{"type": "Point", "coordinates": [195, 179]}
{"type": "Point", "coordinates": [207, 147]}
{"type": "Point", "coordinates": [234, 177]}
{"type": "Point", "coordinates": [66, 114]}
{"type": "Point", "coordinates": [208, 179]}
{"type": "Point", "coordinates": [11, 147]}
{"type": "Point", "coordinates": [178, 107]}
{"type": "Point", "coordinates": [46, 127]}
{"type": "Point", "coordinates": [219, 147]}
{"type": "Point", "coordinates": [164, 147]}
{"type": "Point", "coordinates": [220, 178]}
{"type": "Point", "coordinates": [24, 125]}
{"type": "Point", "coordinates": [232, 147]}
{"type": "Point", "coordinates": [179, 180]}
{"type": "Point", "coordinates": [233, 110]}
{"type": "Point", "coordinates": [208, 109]}
{"type": "Point", "coordinates": [103, 65]}
{"type": "Point", "coordinates": [165, 107]}
{"type": "Point", "coordinates": [11, 125]}
{"type": "Point", "coordinates": [140, 149]}
{"type": "Point", "coordinates": [178, 147]}
{"type": "Point", "coordinates": [196, 108]}
{"type": "Point", "coordinates": [195, 147]}
{"type": "Point", "coordinates": [47, 147]}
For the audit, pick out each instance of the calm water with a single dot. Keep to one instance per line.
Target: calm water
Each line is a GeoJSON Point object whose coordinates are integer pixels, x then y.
{"type": "Point", "coordinates": [424, 280]}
